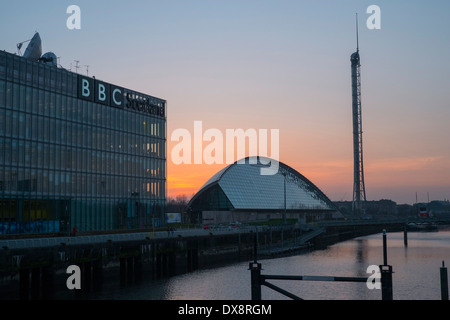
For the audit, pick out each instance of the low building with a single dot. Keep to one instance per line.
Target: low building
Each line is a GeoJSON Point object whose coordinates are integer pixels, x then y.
{"type": "Point", "coordinates": [239, 192]}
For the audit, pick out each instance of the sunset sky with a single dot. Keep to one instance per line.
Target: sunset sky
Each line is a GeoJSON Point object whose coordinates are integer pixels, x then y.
{"type": "Point", "coordinates": [275, 65]}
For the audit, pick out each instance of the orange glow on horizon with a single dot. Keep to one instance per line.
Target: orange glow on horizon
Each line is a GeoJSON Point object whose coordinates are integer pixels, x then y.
{"type": "Point", "coordinates": [187, 179]}
{"type": "Point", "coordinates": [332, 177]}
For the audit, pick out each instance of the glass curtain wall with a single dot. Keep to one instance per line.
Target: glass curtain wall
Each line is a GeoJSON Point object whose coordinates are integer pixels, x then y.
{"type": "Point", "coordinates": [66, 162]}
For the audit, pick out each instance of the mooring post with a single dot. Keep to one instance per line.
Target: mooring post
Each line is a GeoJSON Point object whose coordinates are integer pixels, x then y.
{"type": "Point", "coordinates": [386, 273]}
{"type": "Point", "coordinates": [405, 236]}
{"type": "Point", "coordinates": [255, 269]}
{"type": "Point", "coordinates": [444, 282]}
{"type": "Point", "coordinates": [386, 282]}
{"type": "Point", "coordinates": [384, 248]}
{"type": "Point", "coordinates": [255, 248]}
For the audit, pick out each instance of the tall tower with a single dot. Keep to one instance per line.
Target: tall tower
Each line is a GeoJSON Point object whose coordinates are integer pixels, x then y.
{"type": "Point", "coordinates": [359, 190]}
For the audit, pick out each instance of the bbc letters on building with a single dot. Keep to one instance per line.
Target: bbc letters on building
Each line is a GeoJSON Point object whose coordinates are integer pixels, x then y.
{"type": "Point", "coordinates": [77, 152]}
{"type": "Point", "coordinates": [111, 95]}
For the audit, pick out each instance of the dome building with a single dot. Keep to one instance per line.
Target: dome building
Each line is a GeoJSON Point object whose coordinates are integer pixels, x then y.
{"type": "Point", "coordinates": [239, 192]}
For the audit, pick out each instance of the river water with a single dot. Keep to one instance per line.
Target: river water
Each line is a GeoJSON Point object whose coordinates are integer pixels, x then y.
{"type": "Point", "coordinates": [416, 273]}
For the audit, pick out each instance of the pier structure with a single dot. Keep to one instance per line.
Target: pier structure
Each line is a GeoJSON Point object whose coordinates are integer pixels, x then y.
{"type": "Point", "coordinates": [36, 268]}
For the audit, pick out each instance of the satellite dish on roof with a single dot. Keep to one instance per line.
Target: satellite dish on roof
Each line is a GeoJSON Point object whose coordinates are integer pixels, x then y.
{"type": "Point", "coordinates": [49, 58]}
{"type": "Point", "coordinates": [34, 49]}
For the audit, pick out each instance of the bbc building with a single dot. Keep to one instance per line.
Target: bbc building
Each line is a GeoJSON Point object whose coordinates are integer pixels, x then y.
{"type": "Point", "coordinates": [76, 152]}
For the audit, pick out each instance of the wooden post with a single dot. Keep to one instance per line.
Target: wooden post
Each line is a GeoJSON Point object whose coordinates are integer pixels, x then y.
{"type": "Point", "coordinates": [386, 273]}
{"type": "Point", "coordinates": [255, 248]}
{"type": "Point", "coordinates": [255, 269]}
{"type": "Point", "coordinates": [384, 248]}
{"type": "Point", "coordinates": [444, 282]}
{"type": "Point", "coordinates": [405, 236]}
{"type": "Point", "coordinates": [386, 282]}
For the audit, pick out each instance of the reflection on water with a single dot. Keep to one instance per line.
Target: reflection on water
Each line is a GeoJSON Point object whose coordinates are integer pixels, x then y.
{"type": "Point", "coordinates": [416, 273]}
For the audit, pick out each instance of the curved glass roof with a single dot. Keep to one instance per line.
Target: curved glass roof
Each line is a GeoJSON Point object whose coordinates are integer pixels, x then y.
{"type": "Point", "coordinates": [246, 188]}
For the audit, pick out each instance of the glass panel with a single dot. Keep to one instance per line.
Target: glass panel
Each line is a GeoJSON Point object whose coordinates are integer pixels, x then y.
{"type": "Point", "coordinates": [16, 68]}
{"type": "Point", "coordinates": [15, 124]}
{"type": "Point", "coordinates": [2, 65]}
{"type": "Point", "coordinates": [35, 74]}
{"type": "Point", "coordinates": [27, 155]}
{"type": "Point", "coordinates": [58, 157]}
{"type": "Point", "coordinates": [22, 125]}
{"type": "Point", "coordinates": [35, 101]}
{"type": "Point", "coordinates": [23, 70]}
{"type": "Point", "coordinates": [52, 104]}
{"type": "Point", "coordinates": [46, 76]}
{"type": "Point", "coordinates": [40, 71]}
{"type": "Point", "coordinates": [16, 97]}
{"type": "Point", "coordinates": [40, 155]}
{"type": "Point", "coordinates": [34, 154]}
{"type": "Point", "coordinates": [58, 104]}
{"type": "Point", "coordinates": [22, 97]}
{"type": "Point", "coordinates": [53, 78]}
{"type": "Point", "coordinates": [2, 94]}
{"type": "Point", "coordinates": [34, 127]}
{"type": "Point", "coordinates": [29, 77]}
{"type": "Point", "coordinates": [2, 156]}
{"type": "Point", "coordinates": [21, 153]}
{"type": "Point", "coordinates": [14, 152]}
{"type": "Point", "coordinates": [47, 103]}
{"type": "Point", "coordinates": [52, 130]}
{"type": "Point", "coordinates": [59, 136]}
{"type": "Point", "coordinates": [9, 95]}
{"type": "Point", "coordinates": [63, 82]}
{"type": "Point", "coordinates": [41, 102]}
{"type": "Point", "coordinates": [2, 122]}
{"type": "Point", "coordinates": [29, 99]}
{"type": "Point", "coordinates": [51, 156]}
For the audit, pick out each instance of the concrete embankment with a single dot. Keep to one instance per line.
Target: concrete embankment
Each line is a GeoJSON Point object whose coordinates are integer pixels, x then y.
{"type": "Point", "coordinates": [40, 271]}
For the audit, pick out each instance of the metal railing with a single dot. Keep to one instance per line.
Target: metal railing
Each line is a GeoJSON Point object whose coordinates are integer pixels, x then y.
{"type": "Point", "coordinates": [258, 280]}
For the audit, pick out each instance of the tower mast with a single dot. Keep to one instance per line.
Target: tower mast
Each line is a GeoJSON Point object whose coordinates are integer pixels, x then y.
{"type": "Point", "coordinates": [359, 190]}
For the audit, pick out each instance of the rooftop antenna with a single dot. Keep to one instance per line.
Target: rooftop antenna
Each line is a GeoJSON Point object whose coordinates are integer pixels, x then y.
{"type": "Point", "coordinates": [76, 66]}
{"type": "Point", "coordinates": [87, 70]}
{"type": "Point", "coordinates": [357, 33]}
{"type": "Point", "coordinates": [19, 46]}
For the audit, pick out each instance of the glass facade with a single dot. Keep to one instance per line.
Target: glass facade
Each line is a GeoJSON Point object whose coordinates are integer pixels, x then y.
{"type": "Point", "coordinates": [248, 189]}
{"type": "Point", "coordinates": [66, 162]}
{"type": "Point", "coordinates": [242, 187]}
